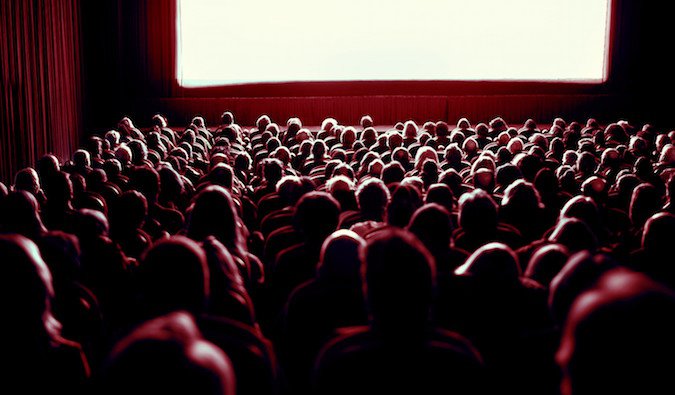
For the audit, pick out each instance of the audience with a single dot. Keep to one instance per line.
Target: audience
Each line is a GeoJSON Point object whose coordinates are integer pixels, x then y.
{"type": "Point", "coordinates": [421, 258]}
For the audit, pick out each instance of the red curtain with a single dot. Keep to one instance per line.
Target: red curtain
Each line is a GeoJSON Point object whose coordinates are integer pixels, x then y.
{"type": "Point", "coordinates": [40, 91]}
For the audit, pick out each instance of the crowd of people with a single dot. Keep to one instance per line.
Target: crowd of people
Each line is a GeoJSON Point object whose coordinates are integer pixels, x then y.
{"type": "Point", "coordinates": [279, 259]}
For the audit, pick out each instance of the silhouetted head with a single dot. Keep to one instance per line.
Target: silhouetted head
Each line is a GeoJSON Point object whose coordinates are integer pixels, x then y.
{"type": "Point", "coordinates": [61, 252]}
{"type": "Point", "coordinates": [477, 211]}
{"type": "Point", "coordinates": [139, 152]}
{"type": "Point", "coordinates": [441, 194]}
{"type": "Point", "coordinates": [168, 355]}
{"type": "Point", "coordinates": [91, 225]}
{"type": "Point", "coordinates": [223, 175]}
{"type": "Point", "coordinates": [60, 191]}
{"type": "Point", "coordinates": [213, 214]}
{"type": "Point", "coordinates": [522, 198]}
{"type": "Point", "coordinates": [619, 338]}
{"type": "Point", "coordinates": [494, 265]}
{"type": "Point", "coordinates": [546, 263]}
{"type": "Point", "coordinates": [47, 166]}
{"type": "Point", "coordinates": [405, 199]}
{"type": "Point", "coordinates": [366, 121]}
{"type": "Point", "coordinates": [658, 233]}
{"type": "Point", "coordinates": [27, 180]}
{"type": "Point", "coordinates": [227, 118]}
{"type": "Point", "coordinates": [128, 212]}
{"type": "Point", "coordinates": [272, 170]}
{"type": "Point", "coordinates": [82, 159]}
{"type": "Point", "coordinates": [574, 234]}
{"type": "Point", "coordinates": [399, 277]}
{"type": "Point", "coordinates": [432, 225]}
{"type": "Point", "coordinates": [644, 203]}
{"type": "Point", "coordinates": [507, 174]}
{"type": "Point", "coordinates": [579, 274]}
{"type": "Point", "coordinates": [172, 276]}
{"type": "Point", "coordinates": [582, 208]}
{"type": "Point", "coordinates": [316, 216]}
{"type": "Point", "coordinates": [25, 294]}
{"type": "Point", "coordinates": [146, 181]}
{"type": "Point", "coordinates": [393, 172]}
{"type": "Point", "coordinates": [372, 197]}
{"type": "Point", "coordinates": [20, 214]}
{"type": "Point", "coordinates": [340, 259]}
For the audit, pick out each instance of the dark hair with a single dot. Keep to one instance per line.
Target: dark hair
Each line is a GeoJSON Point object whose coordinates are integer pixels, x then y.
{"type": "Point", "coordinates": [399, 277]}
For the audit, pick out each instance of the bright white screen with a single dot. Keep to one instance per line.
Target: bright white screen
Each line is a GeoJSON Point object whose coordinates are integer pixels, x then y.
{"type": "Point", "coordinates": [231, 42]}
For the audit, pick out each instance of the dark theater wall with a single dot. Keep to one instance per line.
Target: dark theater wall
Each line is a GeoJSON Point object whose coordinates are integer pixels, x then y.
{"type": "Point", "coordinates": [40, 90]}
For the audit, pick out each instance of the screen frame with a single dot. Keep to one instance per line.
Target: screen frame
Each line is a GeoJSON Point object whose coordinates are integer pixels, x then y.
{"type": "Point", "coordinates": [406, 87]}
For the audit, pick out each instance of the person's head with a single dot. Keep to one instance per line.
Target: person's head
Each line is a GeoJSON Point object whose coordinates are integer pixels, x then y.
{"type": "Point", "coordinates": [146, 181]}
{"type": "Point", "coordinates": [339, 186]}
{"type": "Point", "coordinates": [167, 355]}
{"type": "Point", "coordinates": [366, 121]}
{"type": "Point", "coordinates": [453, 154]}
{"type": "Point", "coordinates": [348, 137]}
{"type": "Point", "coordinates": [405, 199]}
{"type": "Point", "coordinates": [522, 198]}
{"type": "Point", "coordinates": [272, 170]}
{"type": "Point", "coordinates": [477, 210]}
{"type": "Point", "coordinates": [91, 225]}
{"type": "Point", "coordinates": [262, 122]}
{"type": "Point", "coordinates": [670, 189]}
{"type": "Point", "coordinates": [328, 124]}
{"type": "Point", "coordinates": [26, 291]}
{"type": "Point", "coordinates": [213, 213]}
{"type": "Point", "coordinates": [48, 165]}
{"type": "Point", "coordinates": [494, 265]}
{"type": "Point", "coordinates": [619, 338]}
{"type": "Point", "coordinates": [27, 180]}
{"type": "Point", "coordinates": [399, 281]}
{"type": "Point", "coordinates": [394, 140]}
{"type": "Point", "coordinates": [222, 174]}
{"type": "Point", "coordinates": [410, 130]}
{"type": "Point", "coordinates": [507, 174]}
{"type": "Point", "coordinates": [139, 152]}
{"type": "Point", "coordinates": [339, 259]}
{"type": "Point", "coordinates": [172, 276]}
{"type": "Point", "coordinates": [60, 191]}
{"type": "Point", "coordinates": [20, 214]}
{"type": "Point", "coordinates": [584, 209]}
{"type": "Point", "coordinates": [432, 225]}
{"type": "Point", "coordinates": [546, 263]}
{"type": "Point", "coordinates": [424, 154]}
{"type": "Point", "coordinates": [596, 188]}
{"type": "Point", "coordinates": [393, 172]}
{"type": "Point", "coordinates": [586, 163]}
{"type": "Point", "coordinates": [128, 211]}
{"type": "Point", "coordinates": [227, 118]}
{"type": "Point", "coordinates": [644, 203]}
{"type": "Point", "coordinates": [574, 234]}
{"type": "Point", "coordinates": [316, 216]}
{"type": "Point", "coordinates": [82, 159]}
{"type": "Point", "coordinates": [440, 194]}
{"type": "Point", "coordinates": [199, 122]}
{"type": "Point", "coordinates": [172, 184]}
{"type": "Point", "coordinates": [289, 190]}
{"type": "Point", "coordinates": [579, 274]}
{"type": "Point", "coordinates": [319, 149]}
{"type": "Point", "coordinates": [658, 232]}
{"type": "Point", "coordinates": [372, 197]}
